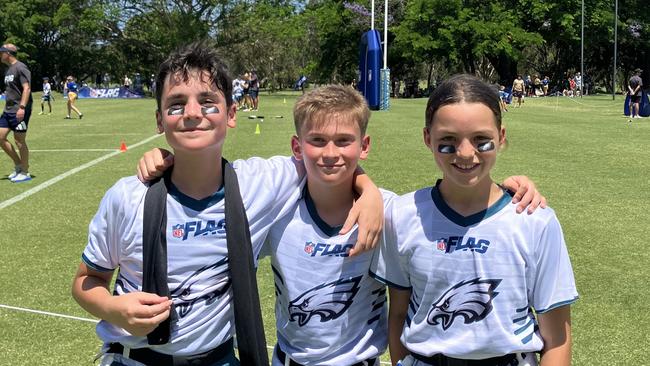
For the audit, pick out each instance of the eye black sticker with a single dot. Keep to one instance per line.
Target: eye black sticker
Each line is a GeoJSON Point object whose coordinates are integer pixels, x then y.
{"type": "Point", "coordinates": [446, 149]}
{"type": "Point", "coordinates": [482, 147]}
{"type": "Point", "coordinates": [179, 111]}
{"type": "Point", "coordinates": [209, 110]}
{"type": "Point", "coordinates": [175, 111]}
{"type": "Point", "coordinates": [485, 146]}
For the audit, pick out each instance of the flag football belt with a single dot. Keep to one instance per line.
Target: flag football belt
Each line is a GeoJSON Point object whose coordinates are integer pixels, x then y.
{"type": "Point", "coordinates": [442, 360]}
{"type": "Point", "coordinates": [284, 358]}
{"type": "Point", "coordinates": [150, 357]}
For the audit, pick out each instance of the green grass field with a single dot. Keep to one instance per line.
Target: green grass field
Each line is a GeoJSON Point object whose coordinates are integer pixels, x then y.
{"type": "Point", "coordinates": [583, 154]}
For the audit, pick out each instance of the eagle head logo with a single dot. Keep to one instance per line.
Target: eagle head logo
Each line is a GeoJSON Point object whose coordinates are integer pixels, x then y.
{"type": "Point", "coordinates": [207, 284]}
{"type": "Point", "coordinates": [471, 300]}
{"type": "Point", "coordinates": [329, 301]}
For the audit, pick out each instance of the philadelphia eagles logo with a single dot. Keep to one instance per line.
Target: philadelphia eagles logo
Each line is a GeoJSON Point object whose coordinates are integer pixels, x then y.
{"type": "Point", "coordinates": [471, 300]}
{"type": "Point", "coordinates": [329, 301]}
{"type": "Point", "coordinates": [208, 284]}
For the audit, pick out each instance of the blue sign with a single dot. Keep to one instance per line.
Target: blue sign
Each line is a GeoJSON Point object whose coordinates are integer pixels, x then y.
{"type": "Point", "coordinates": [121, 92]}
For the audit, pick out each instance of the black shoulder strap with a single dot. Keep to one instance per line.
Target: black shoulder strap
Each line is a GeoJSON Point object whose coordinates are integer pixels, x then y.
{"type": "Point", "coordinates": [154, 251]}
{"type": "Point", "coordinates": [251, 343]}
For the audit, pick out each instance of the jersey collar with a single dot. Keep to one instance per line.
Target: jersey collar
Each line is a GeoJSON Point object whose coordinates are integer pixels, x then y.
{"type": "Point", "coordinates": [202, 204]}
{"type": "Point", "coordinates": [313, 213]}
{"type": "Point", "coordinates": [465, 221]}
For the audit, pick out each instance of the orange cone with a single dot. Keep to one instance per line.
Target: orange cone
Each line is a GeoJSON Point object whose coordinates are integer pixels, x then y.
{"type": "Point", "coordinates": [122, 146]}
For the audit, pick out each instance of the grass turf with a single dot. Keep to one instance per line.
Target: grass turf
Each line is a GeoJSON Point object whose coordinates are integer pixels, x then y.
{"type": "Point", "coordinates": [583, 154]}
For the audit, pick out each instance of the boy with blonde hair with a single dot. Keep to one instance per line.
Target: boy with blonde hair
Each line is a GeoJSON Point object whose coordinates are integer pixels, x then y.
{"type": "Point", "coordinates": [328, 310]}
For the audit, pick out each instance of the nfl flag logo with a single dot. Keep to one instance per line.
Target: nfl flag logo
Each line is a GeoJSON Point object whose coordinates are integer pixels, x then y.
{"type": "Point", "coordinates": [309, 247]}
{"type": "Point", "coordinates": [177, 231]}
{"type": "Point", "coordinates": [441, 245]}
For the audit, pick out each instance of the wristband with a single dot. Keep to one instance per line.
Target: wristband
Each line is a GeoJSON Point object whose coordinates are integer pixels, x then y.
{"type": "Point", "coordinates": [21, 106]}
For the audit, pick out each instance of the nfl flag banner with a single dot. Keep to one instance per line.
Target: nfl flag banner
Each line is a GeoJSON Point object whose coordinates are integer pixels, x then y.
{"type": "Point", "coordinates": [104, 93]}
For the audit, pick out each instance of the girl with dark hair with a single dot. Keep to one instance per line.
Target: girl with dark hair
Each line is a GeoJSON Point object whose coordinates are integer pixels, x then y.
{"type": "Point", "coordinates": [471, 281]}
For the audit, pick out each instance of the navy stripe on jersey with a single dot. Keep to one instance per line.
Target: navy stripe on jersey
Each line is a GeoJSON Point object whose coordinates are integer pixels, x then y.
{"type": "Point", "coordinates": [374, 319]}
{"type": "Point", "coordinates": [93, 265]}
{"type": "Point", "coordinates": [557, 305]}
{"type": "Point", "coordinates": [465, 221]}
{"type": "Point", "coordinates": [277, 274]}
{"type": "Point", "coordinates": [387, 282]}
{"type": "Point", "coordinates": [525, 308]}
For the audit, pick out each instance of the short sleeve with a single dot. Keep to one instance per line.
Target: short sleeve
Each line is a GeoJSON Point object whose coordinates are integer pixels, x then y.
{"type": "Point", "coordinates": [388, 265]}
{"type": "Point", "coordinates": [25, 76]}
{"type": "Point", "coordinates": [102, 250]}
{"type": "Point", "coordinates": [554, 284]}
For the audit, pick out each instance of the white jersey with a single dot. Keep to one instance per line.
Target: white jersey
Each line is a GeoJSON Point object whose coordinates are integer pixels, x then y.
{"type": "Point", "coordinates": [328, 310]}
{"type": "Point", "coordinates": [197, 253]}
{"type": "Point", "coordinates": [47, 89]}
{"type": "Point", "coordinates": [475, 281]}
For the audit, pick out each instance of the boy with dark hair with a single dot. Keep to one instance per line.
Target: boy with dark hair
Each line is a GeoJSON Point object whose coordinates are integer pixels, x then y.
{"type": "Point", "coordinates": [194, 110]}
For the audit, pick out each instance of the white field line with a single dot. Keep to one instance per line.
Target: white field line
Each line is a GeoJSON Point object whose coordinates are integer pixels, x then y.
{"type": "Point", "coordinates": [86, 319]}
{"type": "Point", "coordinates": [71, 150]}
{"type": "Point", "coordinates": [48, 313]}
{"type": "Point", "coordinates": [60, 177]}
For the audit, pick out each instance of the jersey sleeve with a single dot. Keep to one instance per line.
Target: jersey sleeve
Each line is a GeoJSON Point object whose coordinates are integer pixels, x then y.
{"type": "Point", "coordinates": [102, 250]}
{"type": "Point", "coordinates": [388, 264]}
{"type": "Point", "coordinates": [554, 284]}
{"type": "Point", "coordinates": [278, 182]}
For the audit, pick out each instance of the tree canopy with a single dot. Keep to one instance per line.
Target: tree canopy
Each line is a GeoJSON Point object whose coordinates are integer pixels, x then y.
{"type": "Point", "coordinates": [283, 39]}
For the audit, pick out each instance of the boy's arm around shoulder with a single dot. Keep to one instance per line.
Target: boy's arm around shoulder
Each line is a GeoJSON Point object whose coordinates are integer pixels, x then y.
{"type": "Point", "coordinates": [367, 212]}
{"type": "Point", "coordinates": [154, 163]}
{"type": "Point", "coordinates": [526, 194]}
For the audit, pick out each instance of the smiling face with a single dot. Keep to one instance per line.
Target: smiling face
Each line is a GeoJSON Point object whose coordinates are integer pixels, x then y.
{"type": "Point", "coordinates": [193, 113]}
{"type": "Point", "coordinates": [331, 149]}
{"type": "Point", "coordinates": [464, 139]}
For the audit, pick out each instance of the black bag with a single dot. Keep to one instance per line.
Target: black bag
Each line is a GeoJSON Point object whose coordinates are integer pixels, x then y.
{"type": "Point", "coordinates": [251, 342]}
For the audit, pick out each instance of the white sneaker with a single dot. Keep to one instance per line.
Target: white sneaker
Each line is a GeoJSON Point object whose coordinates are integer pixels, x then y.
{"type": "Point", "coordinates": [13, 175]}
{"type": "Point", "coordinates": [637, 116]}
{"type": "Point", "coordinates": [22, 177]}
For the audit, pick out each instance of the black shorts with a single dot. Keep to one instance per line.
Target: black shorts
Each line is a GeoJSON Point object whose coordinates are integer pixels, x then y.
{"type": "Point", "coordinates": [635, 98]}
{"type": "Point", "coordinates": [517, 93]}
{"type": "Point", "coordinates": [8, 120]}
{"type": "Point", "coordinates": [45, 98]}
{"type": "Point", "coordinates": [253, 93]}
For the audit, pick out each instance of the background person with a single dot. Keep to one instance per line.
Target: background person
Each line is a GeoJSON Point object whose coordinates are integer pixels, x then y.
{"type": "Point", "coordinates": [254, 90]}
{"type": "Point", "coordinates": [518, 89]}
{"type": "Point", "coordinates": [73, 91]}
{"type": "Point", "coordinates": [47, 95]}
{"type": "Point", "coordinates": [634, 89]}
{"type": "Point", "coordinates": [18, 110]}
